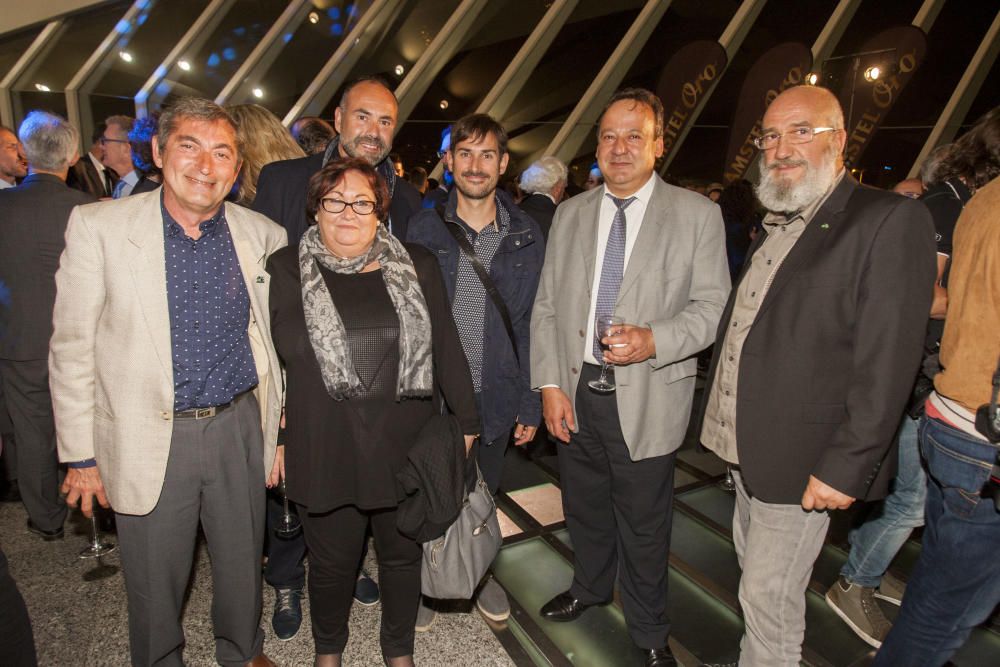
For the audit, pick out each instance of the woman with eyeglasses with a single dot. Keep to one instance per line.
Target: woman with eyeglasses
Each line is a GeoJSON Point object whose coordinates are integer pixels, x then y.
{"type": "Point", "coordinates": [363, 327]}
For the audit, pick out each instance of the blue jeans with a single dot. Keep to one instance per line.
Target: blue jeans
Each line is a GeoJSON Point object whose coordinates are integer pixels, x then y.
{"type": "Point", "coordinates": [877, 541]}
{"type": "Point", "coordinates": [956, 583]}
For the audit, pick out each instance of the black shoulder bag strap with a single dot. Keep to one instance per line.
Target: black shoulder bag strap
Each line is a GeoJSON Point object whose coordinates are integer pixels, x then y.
{"type": "Point", "coordinates": [484, 276]}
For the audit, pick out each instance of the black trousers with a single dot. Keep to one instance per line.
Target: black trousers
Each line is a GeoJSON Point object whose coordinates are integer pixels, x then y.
{"type": "Point", "coordinates": [17, 644]}
{"type": "Point", "coordinates": [618, 512]}
{"type": "Point", "coordinates": [284, 568]}
{"type": "Point", "coordinates": [26, 392]}
{"type": "Point", "coordinates": [335, 540]}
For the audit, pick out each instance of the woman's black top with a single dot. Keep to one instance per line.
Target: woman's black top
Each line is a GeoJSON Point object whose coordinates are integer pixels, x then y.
{"type": "Point", "coordinates": [348, 452]}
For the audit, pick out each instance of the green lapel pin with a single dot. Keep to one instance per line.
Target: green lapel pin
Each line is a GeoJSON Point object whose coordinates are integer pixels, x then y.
{"type": "Point", "coordinates": [824, 226]}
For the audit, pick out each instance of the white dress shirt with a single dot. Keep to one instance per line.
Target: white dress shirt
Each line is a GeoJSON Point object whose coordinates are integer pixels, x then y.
{"type": "Point", "coordinates": [633, 222]}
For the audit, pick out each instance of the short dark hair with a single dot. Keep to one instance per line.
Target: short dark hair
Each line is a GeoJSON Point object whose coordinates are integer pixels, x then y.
{"type": "Point", "coordinates": [476, 127]}
{"type": "Point", "coordinates": [98, 133]}
{"type": "Point", "coordinates": [313, 134]}
{"type": "Point", "coordinates": [417, 176]}
{"type": "Point", "coordinates": [368, 78]}
{"type": "Point", "coordinates": [196, 108]}
{"type": "Point", "coordinates": [333, 172]}
{"type": "Point", "coordinates": [639, 95]}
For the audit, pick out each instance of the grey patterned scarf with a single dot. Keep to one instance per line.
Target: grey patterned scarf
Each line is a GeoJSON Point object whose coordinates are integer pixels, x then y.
{"type": "Point", "coordinates": [326, 329]}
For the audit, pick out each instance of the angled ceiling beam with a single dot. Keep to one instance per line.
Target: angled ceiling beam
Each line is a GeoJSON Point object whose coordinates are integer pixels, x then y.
{"type": "Point", "coordinates": [338, 67]}
{"type": "Point", "coordinates": [78, 90]}
{"type": "Point", "coordinates": [834, 29]}
{"type": "Point", "coordinates": [501, 96]}
{"type": "Point", "coordinates": [264, 54]}
{"type": "Point", "coordinates": [964, 95]}
{"type": "Point", "coordinates": [445, 45]}
{"type": "Point", "coordinates": [25, 66]}
{"type": "Point", "coordinates": [927, 14]}
{"type": "Point", "coordinates": [731, 40]}
{"type": "Point", "coordinates": [151, 95]}
{"type": "Point", "coordinates": [580, 122]}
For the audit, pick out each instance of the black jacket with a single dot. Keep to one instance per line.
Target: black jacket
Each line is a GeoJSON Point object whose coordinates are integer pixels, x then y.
{"type": "Point", "coordinates": [541, 209]}
{"type": "Point", "coordinates": [827, 367]}
{"type": "Point", "coordinates": [281, 196]}
{"type": "Point", "coordinates": [432, 484]}
{"type": "Point", "coordinates": [33, 218]}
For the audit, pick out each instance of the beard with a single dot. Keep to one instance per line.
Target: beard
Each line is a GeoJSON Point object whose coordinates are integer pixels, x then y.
{"type": "Point", "coordinates": [476, 191]}
{"type": "Point", "coordinates": [353, 148]}
{"type": "Point", "coordinates": [783, 196]}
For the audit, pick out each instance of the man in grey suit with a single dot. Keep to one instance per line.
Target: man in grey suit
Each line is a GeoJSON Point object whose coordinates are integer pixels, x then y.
{"type": "Point", "coordinates": [654, 255]}
{"type": "Point", "coordinates": [166, 385]}
{"type": "Point", "coordinates": [33, 220]}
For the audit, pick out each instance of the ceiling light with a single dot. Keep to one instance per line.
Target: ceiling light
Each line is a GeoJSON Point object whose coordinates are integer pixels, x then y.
{"type": "Point", "coordinates": [313, 17]}
{"type": "Point", "coordinates": [812, 78]}
{"type": "Point", "coordinates": [258, 93]}
{"type": "Point", "coordinates": [444, 104]}
{"type": "Point", "coordinates": [872, 73]}
{"type": "Point", "coordinates": [184, 65]}
{"type": "Point", "coordinates": [125, 55]}
{"type": "Point", "coordinates": [42, 87]}
{"type": "Point", "coordinates": [399, 70]}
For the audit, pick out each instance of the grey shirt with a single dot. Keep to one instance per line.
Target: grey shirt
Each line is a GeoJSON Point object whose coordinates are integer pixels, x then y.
{"type": "Point", "coordinates": [718, 431]}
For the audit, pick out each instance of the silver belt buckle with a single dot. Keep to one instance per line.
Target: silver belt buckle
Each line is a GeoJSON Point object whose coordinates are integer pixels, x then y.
{"type": "Point", "coordinates": [204, 413]}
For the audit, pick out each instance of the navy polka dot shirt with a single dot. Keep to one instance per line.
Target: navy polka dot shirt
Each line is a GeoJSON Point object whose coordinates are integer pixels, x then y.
{"type": "Point", "coordinates": [209, 315]}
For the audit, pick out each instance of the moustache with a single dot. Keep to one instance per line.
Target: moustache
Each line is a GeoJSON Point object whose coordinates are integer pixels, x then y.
{"type": "Point", "coordinates": [474, 174]}
{"type": "Point", "coordinates": [787, 162]}
{"type": "Point", "coordinates": [370, 139]}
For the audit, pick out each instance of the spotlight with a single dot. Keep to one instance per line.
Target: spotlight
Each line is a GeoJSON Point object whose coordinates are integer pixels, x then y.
{"type": "Point", "coordinates": [399, 70]}
{"type": "Point", "coordinates": [812, 78]}
{"type": "Point", "coordinates": [125, 55]}
{"type": "Point", "coordinates": [872, 73]}
{"type": "Point", "coordinates": [42, 87]}
{"type": "Point", "coordinates": [258, 93]}
{"type": "Point", "coordinates": [184, 65]}
{"type": "Point", "coordinates": [313, 17]}
{"type": "Point", "coordinates": [443, 104]}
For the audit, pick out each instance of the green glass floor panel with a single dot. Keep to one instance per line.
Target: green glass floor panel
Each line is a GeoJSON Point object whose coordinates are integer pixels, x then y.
{"type": "Point", "coordinates": [702, 624]}
{"type": "Point", "coordinates": [713, 502]}
{"type": "Point", "coordinates": [983, 648]}
{"type": "Point", "coordinates": [529, 646]}
{"type": "Point", "coordinates": [597, 639]}
{"type": "Point", "coordinates": [705, 550]}
{"type": "Point", "coordinates": [682, 478]}
{"type": "Point", "coordinates": [563, 536]}
{"type": "Point", "coordinates": [827, 567]}
{"type": "Point", "coordinates": [829, 636]}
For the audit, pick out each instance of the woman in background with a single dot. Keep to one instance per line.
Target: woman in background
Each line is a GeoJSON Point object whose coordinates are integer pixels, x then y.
{"type": "Point", "coordinates": [264, 140]}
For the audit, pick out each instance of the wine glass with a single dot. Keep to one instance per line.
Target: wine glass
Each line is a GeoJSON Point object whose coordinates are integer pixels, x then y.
{"type": "Point", "coordinates": [97, 547]}
{"type": "Point", "coordinates": [290, 524]}
{"type": "Point", "coordinates": [727, 483]}
{"type": "Point", "coordinates": [607, 325]}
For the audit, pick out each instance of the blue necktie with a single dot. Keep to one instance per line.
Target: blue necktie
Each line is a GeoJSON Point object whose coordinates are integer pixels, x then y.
{"type": "Point", "coordinates": [611, 269]}
{"type": "Point", "coordinates": [119, 188]}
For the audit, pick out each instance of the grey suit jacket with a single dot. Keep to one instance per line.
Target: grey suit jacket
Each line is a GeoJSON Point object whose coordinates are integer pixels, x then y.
{"type": "Point", "coordinates": [110, 361]}
{"type": "Point", "coordinates": [676, 283]}
{"type": "Point", "coordinates": [33, 220]}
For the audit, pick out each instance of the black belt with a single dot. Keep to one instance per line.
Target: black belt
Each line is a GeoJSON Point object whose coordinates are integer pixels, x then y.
{"type": "Point", "coordinates": [205, 413]}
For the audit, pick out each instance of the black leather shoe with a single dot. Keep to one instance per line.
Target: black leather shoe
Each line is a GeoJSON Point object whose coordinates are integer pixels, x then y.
{"type": "Point", "coordinates": [47, 535]}
{"type": "Point", "coordinates": [563, 607]}
{"type": "Point", "coordinates": [660, 657]}
{"type": "Point", "coordinates": [287, 612]}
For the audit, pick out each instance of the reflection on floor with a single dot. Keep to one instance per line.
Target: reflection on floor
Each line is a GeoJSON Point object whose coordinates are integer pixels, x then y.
{"type": "Point", "coordinates": [536, 563]}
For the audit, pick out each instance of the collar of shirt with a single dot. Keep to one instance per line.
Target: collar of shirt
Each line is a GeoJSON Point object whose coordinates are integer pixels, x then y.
{"type": "Point", "coordinates": [97, 163]}
{"type": "Point", "coordinates": [808, 212]}
{"type": "Point", "coordinates": [6, 184]}
{"type": "Point", "coordinates": [500, 224]}
{"type": "Point", "coordinates": [208, 227]}
{"type": "Point", "coordinates": [132, 178]}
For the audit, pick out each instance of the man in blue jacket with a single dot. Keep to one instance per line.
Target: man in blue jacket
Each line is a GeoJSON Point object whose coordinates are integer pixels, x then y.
{"type": "Point", "coordinates": [491, 256]}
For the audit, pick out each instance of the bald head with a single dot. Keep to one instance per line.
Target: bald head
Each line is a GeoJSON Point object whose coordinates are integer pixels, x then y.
{"type": "Point", "coordinates": [821, 101]}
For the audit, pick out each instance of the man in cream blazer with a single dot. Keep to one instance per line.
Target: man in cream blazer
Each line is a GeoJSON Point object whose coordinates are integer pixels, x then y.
{"type": "Point", "coordinates": [166, 386]}
{"type": "Point", "coordinates": [663, 270]}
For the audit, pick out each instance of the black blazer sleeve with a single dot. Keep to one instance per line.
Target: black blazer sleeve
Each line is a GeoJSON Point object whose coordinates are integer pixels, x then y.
{"type": "Point", "coordinates": [405, 204]}
{"type": "Point", "coordinates": [451, 370]}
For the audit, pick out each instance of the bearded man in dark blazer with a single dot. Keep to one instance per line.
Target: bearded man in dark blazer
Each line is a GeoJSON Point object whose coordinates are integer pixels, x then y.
{"type": "Point", "coordinates": [814, 360]}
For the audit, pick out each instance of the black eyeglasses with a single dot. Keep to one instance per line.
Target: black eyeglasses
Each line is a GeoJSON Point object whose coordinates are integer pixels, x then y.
{"type": "Point", "coordinates": [361, 206]}
{"type": "Point", "coordinates": [106, 140]}
{"type": "Point", "coordinates": [800, 135]}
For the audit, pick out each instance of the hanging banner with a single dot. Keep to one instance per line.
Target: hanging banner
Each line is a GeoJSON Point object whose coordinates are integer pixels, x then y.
{"type": "Point", "coordinates": [690, 74]}
{"type": "Point", "coordinates": [782, 67]}
{"type": "Point", "coordinates": [897, 53]}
